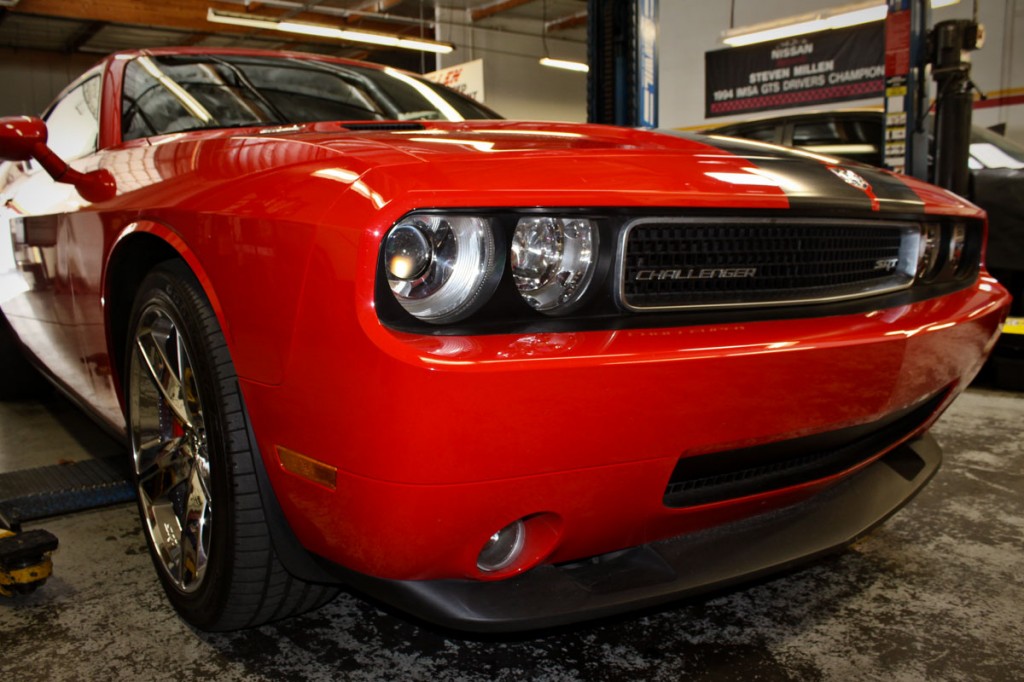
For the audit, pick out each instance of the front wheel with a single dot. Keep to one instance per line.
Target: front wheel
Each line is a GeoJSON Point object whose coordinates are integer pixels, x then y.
{"type": "Point", "coordinates": [194, 465]}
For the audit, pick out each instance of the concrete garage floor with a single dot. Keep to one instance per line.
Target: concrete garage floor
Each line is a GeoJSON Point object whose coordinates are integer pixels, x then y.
{"type": "Point", "coordinates": [935, 594]}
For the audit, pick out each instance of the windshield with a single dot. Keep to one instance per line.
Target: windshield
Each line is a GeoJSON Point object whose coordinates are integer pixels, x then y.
{"type": "Point", "coordinates": [171, 94]}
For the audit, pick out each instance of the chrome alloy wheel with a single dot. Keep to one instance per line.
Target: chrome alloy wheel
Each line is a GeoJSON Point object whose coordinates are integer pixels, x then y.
{"type": "Point", "coordinates": [171, 456]}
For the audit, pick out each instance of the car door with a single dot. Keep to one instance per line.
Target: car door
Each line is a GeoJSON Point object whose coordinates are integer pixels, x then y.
{"type": "Point", "coordinates": [42, 267]}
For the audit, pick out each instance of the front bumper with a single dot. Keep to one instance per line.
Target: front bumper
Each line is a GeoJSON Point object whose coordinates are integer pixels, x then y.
{"type": "Point", "coordinates": [440, 441]}
{"type": "Point", "coordinates": [659, 572]}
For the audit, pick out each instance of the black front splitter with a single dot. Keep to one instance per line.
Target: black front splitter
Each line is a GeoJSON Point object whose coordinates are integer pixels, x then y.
{"type": "Point", "coordinates": [659, 572]}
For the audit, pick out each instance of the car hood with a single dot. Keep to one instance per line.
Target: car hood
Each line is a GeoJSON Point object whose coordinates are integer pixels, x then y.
{"type": "Point", "coordinates": [501, 163]}
{"type": "Point", "coordinates": [559, 163]}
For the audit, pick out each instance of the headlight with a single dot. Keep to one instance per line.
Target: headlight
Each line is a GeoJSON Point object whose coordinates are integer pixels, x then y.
{"type": "Point", "coordinates": [931, 246]}
{"type": "Point", "coordinates": [441, 268]}
{"type": "Point", "coordinates": [957, 243]}
{"type": "Point", "coordinates": [553, 261]}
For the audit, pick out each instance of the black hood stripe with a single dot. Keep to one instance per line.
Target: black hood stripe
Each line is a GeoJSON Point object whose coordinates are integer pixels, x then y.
{"type": "Point", "coordinates": [809, 182]}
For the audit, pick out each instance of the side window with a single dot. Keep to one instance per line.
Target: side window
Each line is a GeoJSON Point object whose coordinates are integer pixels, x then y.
{"type": "Point", "coordinates": [848, 138]}
{"type": "Point", "coordinates": [816, 133]}
{"type": "Point", "coordinates": [73, 125]}
{"type": "Point", "coordinates": [766, 133]}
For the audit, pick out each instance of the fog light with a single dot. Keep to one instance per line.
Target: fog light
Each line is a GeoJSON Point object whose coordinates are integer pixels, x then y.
{"type": "Point", "coordinates": [503, 548]}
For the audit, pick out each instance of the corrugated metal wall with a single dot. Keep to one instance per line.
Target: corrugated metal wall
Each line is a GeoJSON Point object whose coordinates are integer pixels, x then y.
{"type": "Point", "coordinates": [32, 78]}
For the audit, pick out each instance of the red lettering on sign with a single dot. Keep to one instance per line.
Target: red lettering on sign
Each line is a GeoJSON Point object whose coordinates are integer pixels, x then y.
{"type": "Point", "coordinates": [897, 44]}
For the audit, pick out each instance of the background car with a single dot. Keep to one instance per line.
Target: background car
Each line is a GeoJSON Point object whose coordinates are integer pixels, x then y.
{"type": "Point", "coordinates": [501, 375]}
{"type": "Point", "coordinates": [996, 184]}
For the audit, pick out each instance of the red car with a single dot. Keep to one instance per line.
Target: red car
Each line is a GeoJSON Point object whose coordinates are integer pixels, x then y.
{"type": "Point", "coordinates": [502, 375]}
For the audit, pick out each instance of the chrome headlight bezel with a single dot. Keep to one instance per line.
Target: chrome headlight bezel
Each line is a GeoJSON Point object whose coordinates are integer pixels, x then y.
{"type": "Point", "coordinates": [442, 267]}
{"type": "Point", "coordinates": [553, 261]}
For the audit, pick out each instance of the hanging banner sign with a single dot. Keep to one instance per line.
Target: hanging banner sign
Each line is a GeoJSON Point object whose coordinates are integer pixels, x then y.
{"type": "Point", "coordinates": [831, 66]}
{"type": "Point", "coordinates": [467, 78]}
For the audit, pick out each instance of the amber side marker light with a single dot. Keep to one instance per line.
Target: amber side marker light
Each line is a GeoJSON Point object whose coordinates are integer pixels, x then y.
{"type": "Point", "coordinates": [308, 468]}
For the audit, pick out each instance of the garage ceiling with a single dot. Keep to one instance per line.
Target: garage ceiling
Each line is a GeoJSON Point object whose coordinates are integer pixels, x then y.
{"type": "Point", "coordinates": [104, 26]}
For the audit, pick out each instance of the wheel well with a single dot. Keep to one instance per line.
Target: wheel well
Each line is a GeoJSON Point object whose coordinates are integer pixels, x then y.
{"type": "Point", "coordinates": [133, 259]}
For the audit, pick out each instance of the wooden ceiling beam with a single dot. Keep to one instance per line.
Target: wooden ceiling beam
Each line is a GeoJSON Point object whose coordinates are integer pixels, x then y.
{"type": "Point", "coordinates": [496, 8]}
{"type": "Point", "coordinates": [378, 6]}
{"type": "Point", "coordinates": [566, 22]}
{"type": "Point", "coordinates": [375, 6]}
{"type": "Point", "coordinates": [186, 15]}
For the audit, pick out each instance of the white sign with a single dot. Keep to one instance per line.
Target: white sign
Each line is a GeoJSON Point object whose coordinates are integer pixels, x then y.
{"type": "Point", "coordinates": [466, 78]}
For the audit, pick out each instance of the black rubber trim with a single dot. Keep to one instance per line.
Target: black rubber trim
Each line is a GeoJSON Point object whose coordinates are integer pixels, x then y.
{"type": "Point", "coordinates": [653, 574]}
{"type": "Point", "coordinates": [293, 556]}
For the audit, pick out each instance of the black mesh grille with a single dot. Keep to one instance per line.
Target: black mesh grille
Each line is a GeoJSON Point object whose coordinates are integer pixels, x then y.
{"type": "Point", "coordinates": [728, 475]}
{"type": "Point", "coordinates": [669, 264]}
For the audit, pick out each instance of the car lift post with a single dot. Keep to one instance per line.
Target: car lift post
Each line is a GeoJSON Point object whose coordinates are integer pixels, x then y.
{"type": "Point", "coordinates": [906, 87]}
{"type": "Point", "coordinates": [622, 84]}
{"type": "Point", "coordinates": [948, 46]}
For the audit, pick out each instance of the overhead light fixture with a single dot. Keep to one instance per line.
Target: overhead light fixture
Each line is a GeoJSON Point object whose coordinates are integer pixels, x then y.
{"type": "Point", "coordinates": [564, 64]}
{"type": "Point", "coordinates": [813, 22]}
{"type": "Point", "coordinates": [323, 31]}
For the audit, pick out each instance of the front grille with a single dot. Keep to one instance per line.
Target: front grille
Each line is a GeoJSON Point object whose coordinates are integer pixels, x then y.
{"type": "Point", "coordinates": [668, 263]}
{"type": "Point", "coordinates": [738, 473]}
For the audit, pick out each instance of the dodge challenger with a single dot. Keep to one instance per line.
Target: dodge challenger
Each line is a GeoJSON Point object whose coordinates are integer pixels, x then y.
{"type": "Point", "coordinates": [357, 329]}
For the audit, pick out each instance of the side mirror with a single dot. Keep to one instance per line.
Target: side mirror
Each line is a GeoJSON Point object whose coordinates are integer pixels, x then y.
{"type": "Point", "coordinates": [18, 137]}
{"type": "Point", "coordinates": [24, 137]}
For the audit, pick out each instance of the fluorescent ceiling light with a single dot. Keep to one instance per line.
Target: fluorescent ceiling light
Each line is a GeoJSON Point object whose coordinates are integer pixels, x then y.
{"type": "Point", "coordinates": [565, 64]}
{"type": "Point", "coordinates": [234, 19]}
{"type": "Point", "coordinates": [424, 45]}
{"type": "Point", "coordinates": [840, 17]}
{"type": "Point", "coordinates": [322, 31]}
{"type": "Point", "coordinates": [309, 29]}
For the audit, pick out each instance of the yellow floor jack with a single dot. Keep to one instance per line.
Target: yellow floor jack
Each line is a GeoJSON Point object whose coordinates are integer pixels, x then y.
{"type": "Point", "coordinates": [25, 561]}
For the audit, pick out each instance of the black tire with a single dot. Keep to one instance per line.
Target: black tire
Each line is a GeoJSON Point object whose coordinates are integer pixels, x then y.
{"type": "Point", "coordinates": [194, 465]}
{"type": "Point", "coordinates": [20, 380]}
